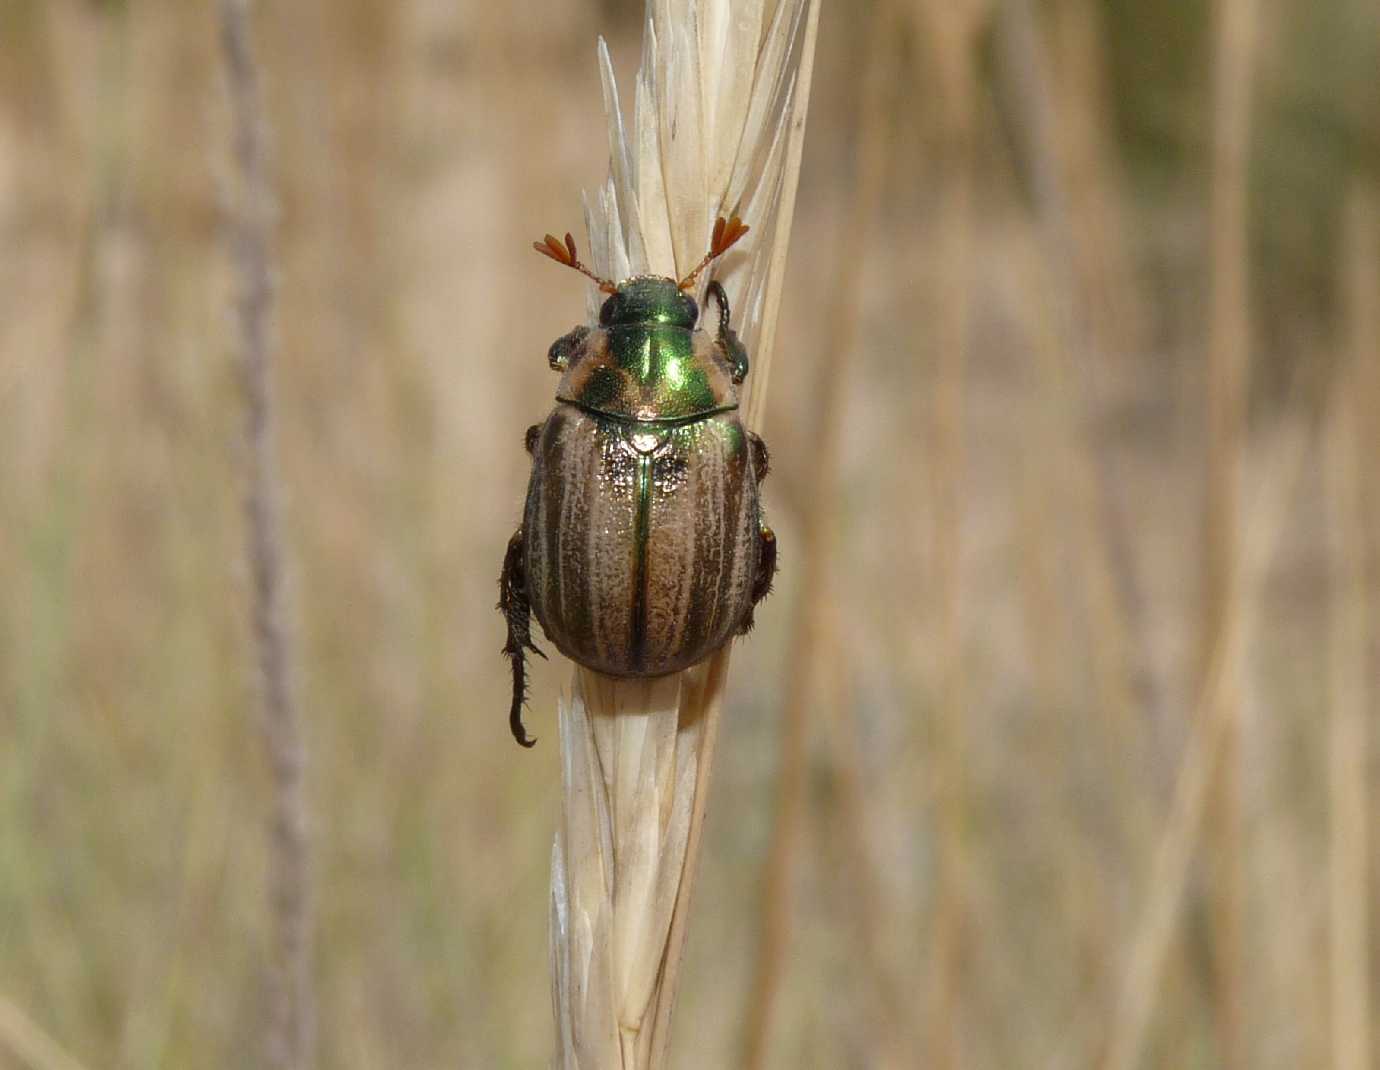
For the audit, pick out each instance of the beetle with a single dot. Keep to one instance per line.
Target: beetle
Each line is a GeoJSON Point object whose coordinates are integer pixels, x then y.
{"type": "Point", "coordinates": [643, 547]}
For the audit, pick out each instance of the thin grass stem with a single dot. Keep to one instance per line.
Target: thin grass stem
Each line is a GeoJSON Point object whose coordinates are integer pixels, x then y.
{"type": "Point", "coordinates": [953, 30]}
{"type": "Point", "coordinates": [719, 115]}
{"type": "Point", "coordinates": [812, 634]}
{"type": "Point", "coordinates": [28, 1042]}
{"type": "Point", "coordinates": [1350, 803]}
{"type": "Point", "coordinates": [1212, 721]}
{"type": "Point", "coordinates": [1229, 338]}
{"type": "Point", "coordinates": [291, 1035]}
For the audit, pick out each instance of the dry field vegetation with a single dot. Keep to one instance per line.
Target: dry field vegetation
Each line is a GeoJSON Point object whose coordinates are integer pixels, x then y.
{"type": "Point", "coordinates": [1055, 746]}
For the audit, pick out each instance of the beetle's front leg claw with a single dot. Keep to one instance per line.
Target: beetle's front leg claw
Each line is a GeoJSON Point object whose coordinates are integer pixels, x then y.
{"type": "Point", "coordinates": [513, 604]}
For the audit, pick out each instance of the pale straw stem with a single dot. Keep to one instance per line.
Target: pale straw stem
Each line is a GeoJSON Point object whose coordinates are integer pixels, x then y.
{"type": "Point", "coordinates": [952, 30]}
{"type": "Point", "coordinates": [1226, 429]}
{"type": "Point", "coordinates": [290, 1040]}
{"type": "Point", "coordinates": [29, 1043]}
{"type": "Point", "coordinates": [717, 125]}
{"type": "Point", "coordinates": [1076, 367]}
{"type": "Point", "coordinates": [812, 633]}
{"type": "Point", "coordinates": [1352, 691]}
{"type": "Point", "coordinates": [1212, 720]}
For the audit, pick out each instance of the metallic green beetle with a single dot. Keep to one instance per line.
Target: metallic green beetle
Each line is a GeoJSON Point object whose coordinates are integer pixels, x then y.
{"type": "Point", "coordinates": [642, 548]}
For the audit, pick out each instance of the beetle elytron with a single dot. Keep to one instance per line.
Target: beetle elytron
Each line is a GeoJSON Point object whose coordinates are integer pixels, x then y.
{"type": "Point", "coordinates": [642, 547]}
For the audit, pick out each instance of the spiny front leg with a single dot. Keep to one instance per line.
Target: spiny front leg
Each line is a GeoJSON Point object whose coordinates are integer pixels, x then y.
{"type": "Point", "coordinates": [517, 611]}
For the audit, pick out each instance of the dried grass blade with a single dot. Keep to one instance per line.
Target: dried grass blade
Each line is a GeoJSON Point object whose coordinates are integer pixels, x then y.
{"type": "Point", "coordinates": [637, 826]}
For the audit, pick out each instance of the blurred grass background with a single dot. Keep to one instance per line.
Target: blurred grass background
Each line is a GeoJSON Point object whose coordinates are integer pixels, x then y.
{"type": "Point", "coordinates": [1012, 559]}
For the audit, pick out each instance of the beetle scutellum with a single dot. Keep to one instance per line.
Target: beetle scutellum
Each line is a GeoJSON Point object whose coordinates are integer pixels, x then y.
{"type": "Point", "coordinates": [642, 548]}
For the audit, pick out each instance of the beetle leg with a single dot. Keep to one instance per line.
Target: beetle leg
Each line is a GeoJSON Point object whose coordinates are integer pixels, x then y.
{"type": "Point", "coordinates": [766, 572]}
{"type": "Point", "coordinates": [565, 348]}
{"type": "Point", "coordinates": [530, 439]}
{"type": "Point", "coordinates": [761, 459]}
{"type": "Point", "coordinates": [734, 352]}
{"type": "Point", "coordinates": [513, 604]}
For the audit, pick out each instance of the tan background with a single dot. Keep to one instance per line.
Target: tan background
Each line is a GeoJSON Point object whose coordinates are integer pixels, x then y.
{"type": "Point", "coordinates": [984, 797]}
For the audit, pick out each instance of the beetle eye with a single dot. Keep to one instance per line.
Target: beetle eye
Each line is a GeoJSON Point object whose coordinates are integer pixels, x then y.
{"type": "Point", "coordinates": [611, 310]}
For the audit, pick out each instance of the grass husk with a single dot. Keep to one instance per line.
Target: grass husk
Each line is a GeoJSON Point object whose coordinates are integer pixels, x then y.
{"type": "Point", "coordinates": [716, 129]}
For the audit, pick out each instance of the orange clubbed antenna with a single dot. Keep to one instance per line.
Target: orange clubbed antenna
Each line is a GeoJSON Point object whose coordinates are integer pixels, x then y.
{"type": "Point", "coordinates": [726, 233]}
{"type": "Point", "coordinates": [566, 255]}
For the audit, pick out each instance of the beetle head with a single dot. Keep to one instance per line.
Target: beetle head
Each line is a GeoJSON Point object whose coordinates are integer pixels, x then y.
{"type": "Point", "coordinates": [649, 299]}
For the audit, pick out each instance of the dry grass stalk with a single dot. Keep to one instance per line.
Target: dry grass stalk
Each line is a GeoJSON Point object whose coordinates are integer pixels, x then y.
{"type": "Point", "coordinates": [27, 1042]}
{"type": "Point", "coordinates": [812, 635]}
{"type": "Point", "coordinates": [1077, 355]}
{"type": "Point", "coordinates": [951, 30]}
{"type": "Point", "coordinates": [1074, 233]}
{"type": "Point", "coordinates": [717, 127]}
{"type": "Point", "coordinates": [1079, 266]}
{"type": "Point", "coordinates": [1061, 514]}
{"type": "Point", "coordinates": [1213, 717]}
{"type": "Point", "coordinates": [887, 1025]}
{"type": "Point", "coordinates": [291, 1034]}
{"type": "Point", "coordinates": [1229, 329]}
{"type": "Point", "coordinates": [1115, 305]}
{"type": "Point", "coordinates": [1351, 805]}
{"type": "Point", "coordinates": [1062, 465]}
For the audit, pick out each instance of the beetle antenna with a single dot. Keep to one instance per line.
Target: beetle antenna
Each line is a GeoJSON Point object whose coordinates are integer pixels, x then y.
{"type": "Point", "coordinates": [726, 233]}
{"type": "Point", "coordinates": [566, 255]}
